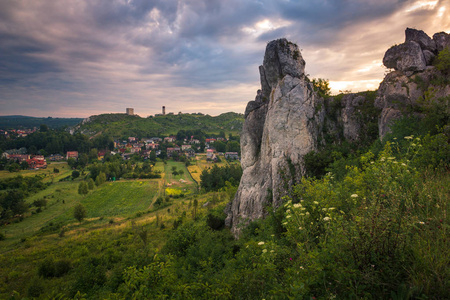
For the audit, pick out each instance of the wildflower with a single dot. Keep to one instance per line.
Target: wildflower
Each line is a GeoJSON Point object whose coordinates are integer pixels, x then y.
{"type": "Point", "coordinates": [288, 216]}
{"type": "Point", "coordinates": [303, 208]}
{"type": "Point", "coordinates": [315, 202]}
{"type": "Point", "coordinates": [272, 251]}
{"type": "Point", "coordinates": [301, 267]}
{"type": "Point", "coordinates": [290, 258]}
{"type": "Point", "coordinates": [261, 243]}
{"type": "Point", "coordinates": [285, 223]}
{"type": "Point", "coordinates": [421, 223]}
{"type": "Point", "coordinates": [326, 219]}
{"type": "Point", "coordinates": [413, 144]}
{"type": "Point", "coordinates": [324, 209]}
{"type": "Point", "coordinates": [264, 251]}
{"type": "Point", "coordinates": [391, 158]}
{"type": "Point", "coordinates": [300, 228]}
{"type": "Point", "coordinates": [382, 159]}
{"type": "Point", "coordinates": [403, 164]}
{"type": "Point", "coordinates": [302, 214]}
{"type": "Point", "coordinates": [408, 137]}
{"type": "Point", "coordinates": [354, 196]}
{"type": "Point", "coordinates": [331, 208]}
{"type": "Point", "coordinates": [297, 205]}
{"type": "Point", "coordinates": [307, 213]}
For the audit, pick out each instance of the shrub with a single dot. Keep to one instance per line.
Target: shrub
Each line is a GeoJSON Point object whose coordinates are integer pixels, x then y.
{"type": "Point", "coordinates": [35, 287]}
{"type": "Point", "coordinates": [442, 61]}
{"type": "Point", "coordinates": [79, 212]}
{"type": "Point", "coordinates": [83, 188]}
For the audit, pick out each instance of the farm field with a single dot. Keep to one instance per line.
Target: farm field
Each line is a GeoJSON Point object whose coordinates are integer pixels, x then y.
{"type": "Point", "coordinates": [178, 184]}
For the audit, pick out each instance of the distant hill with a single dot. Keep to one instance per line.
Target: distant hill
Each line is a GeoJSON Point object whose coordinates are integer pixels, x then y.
{"type": "Point", "coordinates": [16, 122]}
{"type": "Point", "coordinates": [122, 125]}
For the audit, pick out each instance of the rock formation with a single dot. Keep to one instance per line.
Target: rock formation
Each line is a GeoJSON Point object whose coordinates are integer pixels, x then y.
{"type": "Point", "coordinates": [287, 119]}
{"type": "Point", "coordinates": [280, 127]}
{"type": "Point", "coordinates": [413, 74]}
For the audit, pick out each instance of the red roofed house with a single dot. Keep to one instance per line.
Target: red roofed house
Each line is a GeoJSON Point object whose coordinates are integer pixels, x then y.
{"type": "Point", "coordinates": [210, 153]}
{"type": "Point", "coordinates": [36, 163]}
{"type": "Point", "coordinates": [72, 154]}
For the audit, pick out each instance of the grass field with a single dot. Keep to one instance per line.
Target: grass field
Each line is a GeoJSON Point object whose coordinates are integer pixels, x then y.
{"type": "Point", "coordinates": [112, 199]}
{"type": "Point", "coordinates": [120, 198]}
{"type": "Point", "coordinates": [64, 171]}
{"type": "Point", "coordinates": [178, 184]}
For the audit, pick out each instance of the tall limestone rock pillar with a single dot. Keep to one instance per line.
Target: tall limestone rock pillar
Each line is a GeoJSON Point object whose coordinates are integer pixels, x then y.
{"type": "Point", "coordinates": [281, 126]}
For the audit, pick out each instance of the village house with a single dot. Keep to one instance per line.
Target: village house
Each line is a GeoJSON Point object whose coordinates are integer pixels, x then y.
{"type": "Point", "coordinates": [190, 153]}
{"type": "Point", "coordinates": [37, 162]}
{"type": "Point", "coordinates": [231, 155]}
{"type": "Point", "coordinates": [55, 157]}
{"type": "Point", "coordinates": [170, 151]}
{"type": "Point", "coordinates": [184, 147]}
{"type": "Point", "coordinates": [210, 154]}
{"type": "Point", "coordinates": [72, 154]}
{"type": "Point", "coordinates": [17, 157]}
{"type": "Point", "coordinates": [169, 139]}
{"type": "Point", "coordinates": [135, 150]}
{"type": "Point", "coordinates": [151, 146]}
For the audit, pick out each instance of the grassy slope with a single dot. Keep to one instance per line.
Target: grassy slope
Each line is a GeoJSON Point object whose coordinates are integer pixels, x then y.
{"type": "Point", "coordinates": [19, 260]}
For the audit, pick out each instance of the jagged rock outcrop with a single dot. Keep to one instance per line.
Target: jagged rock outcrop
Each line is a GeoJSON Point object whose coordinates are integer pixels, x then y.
{"type": "Point", "coordinates": [280, 127]}
{"type": "Point", "coordinates": [287, 119]}
{"type": "Point", "coordinates": [405, 87]}
{"type": "Point", "coordinates": [407, 57]}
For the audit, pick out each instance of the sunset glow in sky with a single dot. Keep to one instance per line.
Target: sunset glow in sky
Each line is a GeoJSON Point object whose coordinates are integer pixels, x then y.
{"type": "Point", "coordinates": [76, 58]}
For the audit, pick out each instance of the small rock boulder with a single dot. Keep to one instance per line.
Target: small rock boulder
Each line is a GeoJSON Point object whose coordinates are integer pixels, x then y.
{"type": "Point", "coordinates": [407, 57]}
{"type": "Point", "coordinates": [442, 40]}
{"type": "Point", "coordinates": [420, 37]}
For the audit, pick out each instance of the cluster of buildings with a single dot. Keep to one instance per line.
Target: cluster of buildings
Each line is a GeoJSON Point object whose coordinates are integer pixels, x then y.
{"type": "Point", "coordinates": [17, 132]}
{"type": "Point", "coordinates": [33, 161]}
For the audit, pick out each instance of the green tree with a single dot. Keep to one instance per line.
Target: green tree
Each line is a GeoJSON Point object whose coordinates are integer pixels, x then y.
{"type": "Point", "coordinates": [75, 174]}
{"type": "Point", "coordinates": [233, 146]}
{"type": "Point", "coordinates": [83, 159]}
{"type": "Point", "coordinates": [83, 188]}
{"type": "Point", "coordinates": [14, 167]}
{"type": "Point", "coordinates": [90, 184]}
{"type": "Point", "coordinates": [72, 162]}
{"type": "Point", "coordinates": [101, 178]}
{"type": "Point", "coordinates": [79, 212]}
{"type": "Point", "coordinates": [322, 87]}
{"type": "Point", "coordinates": [43, 128]}
{"type": "Point", "coordinates": [194, 213]}
{"type": "Point", "coordinates": [24, 165]}
{"type": "Point", "coordinates": [153, 156]}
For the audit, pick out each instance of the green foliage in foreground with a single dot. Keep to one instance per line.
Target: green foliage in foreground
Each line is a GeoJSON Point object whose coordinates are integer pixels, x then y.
{"type": "Point", "coordinates": [379, 233]}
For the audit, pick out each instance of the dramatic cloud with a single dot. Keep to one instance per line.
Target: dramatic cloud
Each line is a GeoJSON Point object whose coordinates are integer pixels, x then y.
{"type": "Point", "coordinates": [78, 58]}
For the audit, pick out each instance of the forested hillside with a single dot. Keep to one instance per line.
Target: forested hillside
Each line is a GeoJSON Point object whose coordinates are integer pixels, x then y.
{"type": "Point", "coordinates": [121, 125]}
{"type": "Point", "coordinates": [19, 122]}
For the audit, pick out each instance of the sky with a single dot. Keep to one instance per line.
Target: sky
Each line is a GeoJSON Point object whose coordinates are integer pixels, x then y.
{"type": "Point", "coordinates": [77, 58]}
